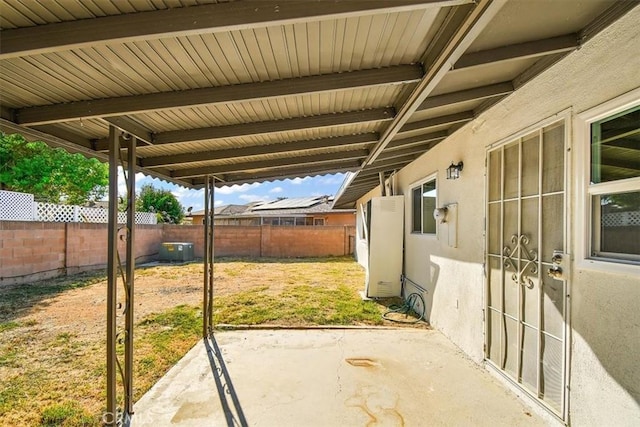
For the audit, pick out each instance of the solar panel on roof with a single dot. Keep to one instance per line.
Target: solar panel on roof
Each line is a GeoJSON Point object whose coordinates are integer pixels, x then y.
{"type": "Point", "coordinates": [302, 202]}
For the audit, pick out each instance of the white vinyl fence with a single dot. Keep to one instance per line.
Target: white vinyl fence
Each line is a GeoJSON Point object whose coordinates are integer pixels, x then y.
{"type": "Point", "coordinates": [621, 219]}
{"type": "Point", "coordinates": [21, 207]}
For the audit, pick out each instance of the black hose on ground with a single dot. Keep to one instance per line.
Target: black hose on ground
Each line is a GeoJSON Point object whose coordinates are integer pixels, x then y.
{"type": "Point", "coordinates": [408, 306]}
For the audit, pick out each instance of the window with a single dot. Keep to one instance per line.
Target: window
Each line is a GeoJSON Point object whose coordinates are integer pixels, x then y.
{"type": "Point", "coordinates": [614, 186]}
{"type": "Point", "coordinates": [318, 221]}
{"type": "Point", "coordinates": [423, 202]}
{"type": "Point", "coordinates": [287, 221]}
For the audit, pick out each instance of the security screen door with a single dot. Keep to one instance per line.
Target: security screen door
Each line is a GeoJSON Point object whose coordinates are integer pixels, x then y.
{"type": "Point", "coordinates": [526, 283]}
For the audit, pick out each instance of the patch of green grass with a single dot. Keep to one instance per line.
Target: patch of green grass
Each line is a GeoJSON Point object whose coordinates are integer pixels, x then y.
{"type": "Point", "coordinates": [7, 326]}
{"type": "Point", "coordinates": [67, 346]}
{"type": "Point", "coordinates": [161, 340]}
{"type": "Point", "coordinates": [30, 322]}
{"type": "Point", "coordinates": [20, 389]}
{"type": "Point", "coordinates": [66, 414]}
{"type": "Point", "coordinates": [297, 305]}
{"type": "Point", "coordinates": [8, 356]}
{"type": "Point", "coordinates": [146, 364]}
{"type": "Point", "coordinates": [63, 338]}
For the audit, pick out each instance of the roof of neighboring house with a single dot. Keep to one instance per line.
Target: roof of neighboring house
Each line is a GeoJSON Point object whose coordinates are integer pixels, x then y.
{"type": "Point", "coordinates": [280, 207]}
{"type": "Point", "coordinates": [323, 207]}
{"type": "Point", "coordinates": [224, 210]}
{"type": "Point", "coordinates": [300, 202]}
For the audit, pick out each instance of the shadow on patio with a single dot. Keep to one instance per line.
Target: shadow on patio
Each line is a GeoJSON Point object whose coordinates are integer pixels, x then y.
{"type": "Point", "coordinates": [320, 377]}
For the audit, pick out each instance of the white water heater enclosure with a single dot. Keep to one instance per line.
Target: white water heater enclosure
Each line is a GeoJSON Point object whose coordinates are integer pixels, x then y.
{"type": "Point", "coordinates": [386, 239]}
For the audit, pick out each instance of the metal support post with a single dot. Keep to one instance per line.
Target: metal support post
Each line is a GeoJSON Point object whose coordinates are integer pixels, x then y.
{"type": "Point", "coordinates": [119, 337]}
{"type": "Point", "coordinates": [110, 416]}
{"type": "Point", "coordinates": [205, 259]}
{"type": "Point", "coordinates": [131, 265]}
{"type": "Point", "coordinates": [207, 300]}
{"type": "Point", "coordinates": [212, 193]}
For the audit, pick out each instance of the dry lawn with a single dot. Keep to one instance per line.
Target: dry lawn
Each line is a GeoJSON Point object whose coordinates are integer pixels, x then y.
{"type": "Point", "coordinates": [52, 333]}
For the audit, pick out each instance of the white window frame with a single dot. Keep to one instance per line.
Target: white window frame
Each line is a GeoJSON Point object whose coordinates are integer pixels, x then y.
{"type": "Point", "coordinates": [429, 178]}
{"type": "Point", "coordinates": [585, 190]}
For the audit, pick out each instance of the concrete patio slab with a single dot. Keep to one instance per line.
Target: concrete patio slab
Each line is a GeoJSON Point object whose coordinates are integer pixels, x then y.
{"type": "Point", "coordinates": [401, 377]}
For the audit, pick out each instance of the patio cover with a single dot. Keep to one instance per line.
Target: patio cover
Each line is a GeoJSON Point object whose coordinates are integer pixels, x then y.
{"type": "Point", "coordinates": [250, 91]}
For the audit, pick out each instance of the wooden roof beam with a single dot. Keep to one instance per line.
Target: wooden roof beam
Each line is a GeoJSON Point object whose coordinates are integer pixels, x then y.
{"type": "Point", "coordinates": [185, 21]}
{"type": "Point", "coordinates": [127, 105]}
{"type": "Point", "coordinates": [386, 165]}
{"type": "Point", "coordinates": [417, 140]}
{"type": "Point", "coordinates": [475, 94]}
{"type": "Point", "coordinates": [530, 49]}
{"type": "Point", "coordinates": [284, 125]}
{"type": "Point", "coordinates": [449, 119]}
{"type": "Point", "coordinates": [132, 127]}
{"type": "Point", "coordinates": [257, 150]}
{"type": "Point", "coordinates": [268, 164]}
{"type": "Point", "coordinates": [286, 173]}
{"type": "Point", "coordinates": [414, 150]}
{"type": "Point", "coordinates": [365, 184]}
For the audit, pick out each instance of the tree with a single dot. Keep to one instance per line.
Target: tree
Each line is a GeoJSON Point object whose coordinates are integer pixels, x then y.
{"type": "Point", "coordinates": [51, 174]}
{"type": "Point", "coordinates": [162, 202]}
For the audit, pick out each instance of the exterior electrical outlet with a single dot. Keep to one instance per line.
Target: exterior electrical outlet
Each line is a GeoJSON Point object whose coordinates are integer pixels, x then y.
{"type": "Point", "coordinates": [172, 251]}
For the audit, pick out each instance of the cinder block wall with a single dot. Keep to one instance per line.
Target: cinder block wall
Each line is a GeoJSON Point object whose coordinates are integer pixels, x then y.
{"type": "Point", "coordinates": [32, 251]}
{"type": "Point", "coordinates": [231, 240]}
{"type": "Point", "coordinates": [39, 250]}
{"type": "Point", "coordinates": [27, 247]}
{"type": "Point", "coordinates": [306, 242]}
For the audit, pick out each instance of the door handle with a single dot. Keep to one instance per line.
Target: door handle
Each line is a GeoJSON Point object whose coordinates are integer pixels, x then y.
{"type": "Point", "coordinates": [556, 269]}
{"type": "Point", "coordinates": [555, 272]}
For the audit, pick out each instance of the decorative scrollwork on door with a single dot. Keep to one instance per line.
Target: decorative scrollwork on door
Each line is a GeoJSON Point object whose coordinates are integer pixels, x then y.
{"type": "Point", "coordinates": [530, 256]}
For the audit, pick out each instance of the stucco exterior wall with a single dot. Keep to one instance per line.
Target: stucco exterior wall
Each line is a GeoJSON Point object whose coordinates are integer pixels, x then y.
{"type": "Point", "coordinates": [605, 320]}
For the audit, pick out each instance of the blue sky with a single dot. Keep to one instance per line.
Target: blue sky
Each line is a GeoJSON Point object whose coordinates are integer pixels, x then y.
{"type": "Point", "coordinates": [241, 194]}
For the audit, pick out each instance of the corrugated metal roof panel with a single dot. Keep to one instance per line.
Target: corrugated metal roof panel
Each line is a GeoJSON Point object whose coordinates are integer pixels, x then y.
{"type": "Point", "coordinates": [90, 129]}
{"type": "Point", "coordinates": [520, 21]}
{"type": "Point", "coordinates": [26, 13]}
{"type": "Point", "coordinates": [493, 73]}
{"type": "Point", "coordinates": [267, 157]}
{"type": "Point", "coordinates": [297, 135]}
{"type": "Point", "coordinates": [227, 58]}
{"type": "Point", "coordinates": [271, 109]}
{"type": "Point", "coordinates": [444, 110]}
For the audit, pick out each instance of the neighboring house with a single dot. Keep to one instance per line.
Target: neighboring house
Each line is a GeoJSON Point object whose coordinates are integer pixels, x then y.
{"type": "Point", "coordinates": [285, 212]}
{"type": "Point", "coordinates": [534, 268]}
{"type": "Point", "coordinates": [197, 217]}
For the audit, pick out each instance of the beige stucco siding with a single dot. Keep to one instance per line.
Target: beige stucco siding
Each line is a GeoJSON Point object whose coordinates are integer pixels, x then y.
{"type": "Point", "coordinates": [605, 306]}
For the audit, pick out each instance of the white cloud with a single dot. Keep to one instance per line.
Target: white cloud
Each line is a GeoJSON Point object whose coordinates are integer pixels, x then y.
{"type": "Point", "coordinates": [332, 179]}
{"type": "Point", "coordinates": [276, 190]}
{"type": "Point", "coordinates": [181, 192]}
{"type": "Point", "coordinates": [237, 188]}
{"type": "Point", "coordinates": [297, 181]}
{"type": "Point", "coordinates": [253, 198]}
{"type": "Point", "coordinates": [218, 203]}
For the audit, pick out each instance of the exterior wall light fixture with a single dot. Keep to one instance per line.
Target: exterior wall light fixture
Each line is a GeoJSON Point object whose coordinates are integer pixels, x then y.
{"type": "Point", "coordinates": [453, 171]}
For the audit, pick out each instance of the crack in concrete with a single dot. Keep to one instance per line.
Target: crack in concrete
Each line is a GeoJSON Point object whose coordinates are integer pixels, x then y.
{"type": "Point", "coordinates": [339, 379]}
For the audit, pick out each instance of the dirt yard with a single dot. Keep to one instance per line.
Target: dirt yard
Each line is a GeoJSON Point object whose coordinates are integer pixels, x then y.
{"type": "Point", "coordinates": [52, 333]}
